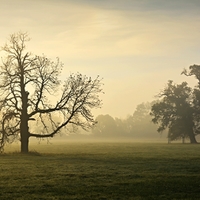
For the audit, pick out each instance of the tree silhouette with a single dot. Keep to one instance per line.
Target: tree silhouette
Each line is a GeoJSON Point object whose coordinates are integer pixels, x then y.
{"type": "Point", "coordinates": [179, 108]}
{"type": "Point", "coordinates": [29, 88]}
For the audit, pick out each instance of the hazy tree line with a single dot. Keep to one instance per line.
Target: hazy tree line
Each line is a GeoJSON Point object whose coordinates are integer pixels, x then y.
{"type": "Point", "coordinates": [134, 127]}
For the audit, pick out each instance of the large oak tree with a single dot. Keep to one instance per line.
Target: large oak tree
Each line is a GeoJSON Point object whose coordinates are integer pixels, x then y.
{"type": "Point", "coordinates": [29, 96]}
{"type": "Point", "coordinates": [178, 109]}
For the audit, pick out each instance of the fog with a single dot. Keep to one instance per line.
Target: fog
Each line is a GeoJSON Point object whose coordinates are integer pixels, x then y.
{"type": "Point", "coordinates": [134, 128]}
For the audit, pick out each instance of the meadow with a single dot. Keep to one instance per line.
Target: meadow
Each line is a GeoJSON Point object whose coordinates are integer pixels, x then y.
{"type": "Point", "coordinates": [101, 171]}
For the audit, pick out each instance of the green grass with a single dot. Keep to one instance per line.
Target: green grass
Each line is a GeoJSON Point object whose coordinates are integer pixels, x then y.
{"type": "Point", "coordinates": [102, 171]}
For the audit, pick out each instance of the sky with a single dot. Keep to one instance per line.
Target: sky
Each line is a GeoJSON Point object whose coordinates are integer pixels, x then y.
{"type": "Point", "coordinates": [135, 46]}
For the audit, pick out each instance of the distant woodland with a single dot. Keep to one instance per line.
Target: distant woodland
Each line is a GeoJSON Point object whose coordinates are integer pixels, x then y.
{"type": "Point", "coordinates": [135, 127]}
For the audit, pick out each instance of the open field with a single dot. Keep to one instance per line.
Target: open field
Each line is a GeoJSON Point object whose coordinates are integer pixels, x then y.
{"type": "Point", "coordinates": [102, 171]}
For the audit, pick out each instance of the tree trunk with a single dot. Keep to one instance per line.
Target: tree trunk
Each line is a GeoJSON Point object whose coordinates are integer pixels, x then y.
{"type": "Point", "coordinates": [183, 139]}
{"type": "Point", "coordinates": [190, 125]}
{"type": "Point", "coordinates": [24, 133]}
{"type": "Point", "coordinates": [192, 138]}
{"type": "Point", "coordinates": [24, 129]}
{"type": "Point", "coordinates": [24, 144]}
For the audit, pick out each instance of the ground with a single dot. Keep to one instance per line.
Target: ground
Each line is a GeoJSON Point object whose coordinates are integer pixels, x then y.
{"type": "Point", "coordinates": [101, 171]}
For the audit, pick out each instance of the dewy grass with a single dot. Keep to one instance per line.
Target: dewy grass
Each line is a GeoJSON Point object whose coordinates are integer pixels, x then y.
{"type": "Point", "coordinates": [102, 171]}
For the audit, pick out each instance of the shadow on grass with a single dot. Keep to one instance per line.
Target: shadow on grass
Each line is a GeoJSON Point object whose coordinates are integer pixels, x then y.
{"type": "Point", "coordinates": [18, 153]}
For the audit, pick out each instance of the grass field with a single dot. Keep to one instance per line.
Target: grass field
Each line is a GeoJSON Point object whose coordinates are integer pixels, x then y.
{"type": "Point", "coordinates": [102, 171]}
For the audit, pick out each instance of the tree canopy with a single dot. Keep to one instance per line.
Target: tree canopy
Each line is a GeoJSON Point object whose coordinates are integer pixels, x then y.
{"type": "Point", "coordinates": [29, 86]}
{"type": "Point", "coordinates": [179, 108]}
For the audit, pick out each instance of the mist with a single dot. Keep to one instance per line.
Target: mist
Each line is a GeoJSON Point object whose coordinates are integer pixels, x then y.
{"type": "Point", "coordinates": [137, 127]}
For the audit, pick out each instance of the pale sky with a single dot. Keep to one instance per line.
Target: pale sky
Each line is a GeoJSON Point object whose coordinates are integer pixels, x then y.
{"type": "Point", "coordinates": [136, 46]}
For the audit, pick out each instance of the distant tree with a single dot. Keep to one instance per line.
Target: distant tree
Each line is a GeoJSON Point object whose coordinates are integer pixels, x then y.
{"type": "Point", "coordinates": [112, 128]}
{"type": "Point", "coordinates": [140, 121]}
{"type": "Point", "coordinates": [106, 126]}
{"type": "Point", "coordinates": [179, 108]}
{"type": "Point", "coordinates": [29, 87]}
{"type": "Point", "coordinates": [142, 111]}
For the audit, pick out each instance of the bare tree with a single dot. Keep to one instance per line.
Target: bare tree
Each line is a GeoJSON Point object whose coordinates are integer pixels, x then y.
{"type": "Point", "coordinates": [28, 83]}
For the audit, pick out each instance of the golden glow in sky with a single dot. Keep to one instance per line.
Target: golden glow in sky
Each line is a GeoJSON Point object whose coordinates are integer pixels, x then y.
{"type": "Point", "coordinates": [136, 46]}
